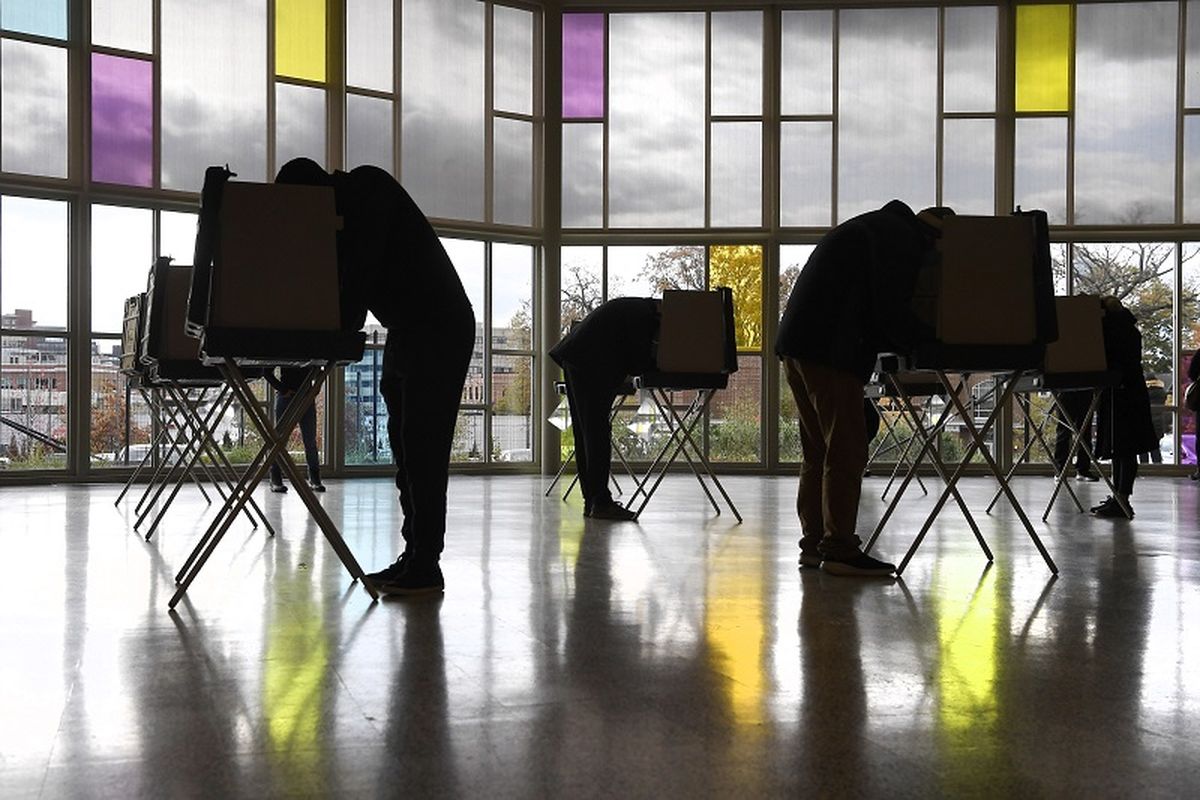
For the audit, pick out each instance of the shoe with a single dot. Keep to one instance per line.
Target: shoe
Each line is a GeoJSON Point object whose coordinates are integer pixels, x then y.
{"type": "Point", "coordinates": [611, 511]}
{"type": "Point", "coordinates": [316, 486]}
{"type": "Point", "coordinates": [1105, 503]}
{"type": "Point", "coordinates": [278, 488]}
{"type": "Point", "coordinates": [1112, 510]}
{"type": "Point", "coordinates": [1195, 475]}
{"type": "Point", "coordinates": [809, 558]}
{"type": "Point", "coordinates": [414, 580]}
{"type": "Point", "coordinates": [857, 565]}
{"type": "Point", "coordinates": [390, 572]}
{"type": "Point", "coordinates": [1086, 475]}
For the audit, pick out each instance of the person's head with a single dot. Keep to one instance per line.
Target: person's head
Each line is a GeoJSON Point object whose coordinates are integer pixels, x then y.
{"type": "Point", "coordinates": [1110, 303]}
{"type": "Point", "coordinates": [932, 218]}
{"type": "Point", "coordinates": [303, 171]}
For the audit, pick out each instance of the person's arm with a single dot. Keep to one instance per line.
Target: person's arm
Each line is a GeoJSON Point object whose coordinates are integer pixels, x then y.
{"type": "Point", "coordinates": [270, 378]}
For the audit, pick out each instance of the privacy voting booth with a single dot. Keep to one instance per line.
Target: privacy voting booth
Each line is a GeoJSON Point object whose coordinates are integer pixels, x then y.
{"type": "Point", "coordinates": [995, 314]}
{"type": "Point", "coordinates": [264, 293]}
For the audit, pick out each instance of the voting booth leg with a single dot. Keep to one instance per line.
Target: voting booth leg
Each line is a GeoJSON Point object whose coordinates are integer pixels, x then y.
{"type": "Point", "coordinates": [1037, 438]}
{"type": "Point", "coordinates": [1079, 442]}
{"type": "Point", "coordinates": [164, 442]}
{"type": "Point", "coordinates": [905, 448]}
{"type": "Point", "coordinates": [146, 459]}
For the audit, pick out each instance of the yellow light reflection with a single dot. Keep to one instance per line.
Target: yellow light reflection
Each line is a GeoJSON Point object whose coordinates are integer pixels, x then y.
{"type": "Point", "coordinates": [735, 624]}
{"type": "Point", "coordinates": [739, 267]}
{"type": "Point", "coordinates": [570, 534]}
{"type": "Point", "coordinates": [300, 39]}
{"type": "Point", "coordinates": [1043, 58]}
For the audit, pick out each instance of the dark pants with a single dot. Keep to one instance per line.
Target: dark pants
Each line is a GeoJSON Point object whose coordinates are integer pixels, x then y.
{"type": "Point", "coordinates": [1125, 470]}
{"type": "Point", "coordinates": [422, 383]}
{"type": "Point", "coordinates": [1075, 405]}
{"type": "Point", "coordinates": [833, 440]}
{"type": "Point", "coordinates": [308, 435]}
{"type": "Point", "coordinates": [591, 398]}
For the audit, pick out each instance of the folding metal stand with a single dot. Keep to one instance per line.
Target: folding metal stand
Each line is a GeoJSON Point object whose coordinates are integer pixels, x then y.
{"type": "Point", "coordinates": [679, 441]}
{"type": "Point", "coordinates": [560, 386]}
{"type": "Point", "coordinates": [274, 449]}
{"type": "Point", "coordinates": [1007, 382]}
{"type": "Point", "coordinates": [892, 441]}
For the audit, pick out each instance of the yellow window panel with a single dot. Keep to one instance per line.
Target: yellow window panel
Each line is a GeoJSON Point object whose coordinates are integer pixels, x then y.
{"type": "Point", "coordinates": [1043, 58]}
{"type": "Point", "coordinates": [300, 39]}
{"type": "Point", "coordinates": [740, 268]}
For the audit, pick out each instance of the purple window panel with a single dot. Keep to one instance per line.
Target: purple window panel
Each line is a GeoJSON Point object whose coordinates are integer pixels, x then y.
{"type": "Point", "coordinates": [122, 120]}
{"type": "Point", "coordinates": [583, 65]}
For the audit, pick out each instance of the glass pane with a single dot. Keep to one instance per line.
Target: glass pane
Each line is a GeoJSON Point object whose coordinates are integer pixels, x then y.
{"type": "Point", "coordinates": [583, 65]}
{"type": "Point", "coordinates": [122, 120]}
{"type": "Point", "coordinates": [737, 62]}
{"type": "Point", "coordinates": [792, 258]}
{"type": "Point", "coordinates": [637, 271]}
{"type": "Point", "coordinates": [369, 44]}
{"type": "Point", "coordinates": [1041, 166]}
{"type": "Point", "coordinates": [177, 235]}
{"type": "Point", "coordinates": [33, 108]}
{"type": "Point", "coordinates": [1059, 261]}
{"type": "Point", "coordinates": [512, 75]}
{"type": "Point", "coordinates": [583, 175]}
{"type": "Point", "coordinates": [300, 39]}
{"type": "Point", "coordinates": [214, 90]}
{"type": "Point", "coordinates": [124, 24]}
{"type": "Point", "coordinates": [122, 252]}
{"type": "Point", "coordinates": [1191, 168]}
{"type": "Point", "coordinates": [512, 415]}
{"type": "Point", "coordinates": [736, 181]}
{"type": "Point", "coordinates": [740, 267]}
{"type": "Point", "coordinates": [120, 427]}
{"type": "Point", "coordinates": [1043, 58]}
{"type": "Point", "coordinates": [656, 120]}
{"type": "Point", "coordinates": [789, 421]}
{"type": "Point", "coordinates": [368, 132]}
{"type": "Point", "coordinates": [34, 243]}
{"type": "Point", "coordinates": [1125, 73]}
{"type": "Point", "coordinates": [735, 418]}
{"type": "Point", "coordinates": [467, 257]}
{"type": "Point", "coordinates": [469, 439]}
{"type": "Point", "coordinates": [806, 173]}
{"type": "Point", "coordinates": [442, 118]}
{"type": "Point", "coordinates": [970, 66]}
{"type": "Point", "coordinates": [807, 62]}
{"type": "Point", "coordinates": [366, 415]}
{"type": "Point", "coordinates": [512, 184]}
{"type": "Point", "coordinates": [969, 165]}
{"type": "Point", "coordinates": [582, 283]}
{"type": "Point", "coordinates": [887, 103]}
{"type": "Point", "coordinates": [39, 17]}
{"type": "Point", "coordinates": [1189, 342]}
{"type": "Point", "coordinates": [299, 123]}
{"type": "Point", "coordinates": [33, 393]}
{"type": "Point", "coordinates": [512, 296]}
{"type": "Point", "coordinates": [1191, 81]}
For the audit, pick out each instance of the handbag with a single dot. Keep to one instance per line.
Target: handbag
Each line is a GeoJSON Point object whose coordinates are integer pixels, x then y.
{"type": "Point", "coordinates": [1191, 397]}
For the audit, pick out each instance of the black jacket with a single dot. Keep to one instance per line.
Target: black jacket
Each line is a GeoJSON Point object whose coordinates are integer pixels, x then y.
{"type": "Point", "coordinates": [1126, 427]}
{"type": "Point", "coordinates": [853, 298]}
{"type": "Point", "coordinates": [614, 340]}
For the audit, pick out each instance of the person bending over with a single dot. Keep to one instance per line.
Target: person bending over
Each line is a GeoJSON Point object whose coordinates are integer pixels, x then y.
{"type": "Point", "coordinates": [286, 384]}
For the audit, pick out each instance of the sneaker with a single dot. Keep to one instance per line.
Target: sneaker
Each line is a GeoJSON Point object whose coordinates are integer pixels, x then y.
{"type": "Point", "coordinates": [857, 565]}
{"type": "Point", "coordinates": [389, 572]}
{"type": "Point", "coordinates": [810, 558]}
{"type": "Point", "coordinates": [413, 581]}
{"type": "Point", "coordinates": [278, 488]}
{"type": "Point", "coordinates": [1086, 475]}
{"type": "Point", "coordinates": [611, 511]}
{"type": "Point", "coordinates": [1112, 510]}
{"type": "Point", "coordinates": [1195, 475]}
{"type": "Point", "coordinates": [1105, 503]}
{"type": "Point", "coordinates": [316, 486]}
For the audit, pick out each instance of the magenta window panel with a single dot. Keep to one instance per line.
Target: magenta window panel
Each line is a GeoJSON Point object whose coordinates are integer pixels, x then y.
{"type": "Point", "coordinates": [583, 65]}
{"type": "Point", "coordinates": [122, 120]}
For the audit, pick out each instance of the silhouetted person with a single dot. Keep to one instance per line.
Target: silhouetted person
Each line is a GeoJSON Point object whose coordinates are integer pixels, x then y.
{"type": "Point", "coordinates": [1193, 373]}
{"type": "Point", "coordinates": [1075, 405]}
{"type": "Point", "coordinates": [286, 384]}
{"type": "Point", "coordinates": [851, 302]}
{"type": "Point", "coordinates": [1124, 428]}
{"type": "Point", "coordinates": [611, 343]}
{"type": "Point", "coordinates": [391, 262]}
{"type": "Point", "coordinates": [1157, 391]}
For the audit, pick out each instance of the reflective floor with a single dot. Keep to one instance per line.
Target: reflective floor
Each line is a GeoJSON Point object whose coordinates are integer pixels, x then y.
{"type": "Point", "coordinates": [684, 656]}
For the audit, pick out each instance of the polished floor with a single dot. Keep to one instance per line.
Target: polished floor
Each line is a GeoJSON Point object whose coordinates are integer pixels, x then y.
{"type": "Point", "coordinates": [684, 656]}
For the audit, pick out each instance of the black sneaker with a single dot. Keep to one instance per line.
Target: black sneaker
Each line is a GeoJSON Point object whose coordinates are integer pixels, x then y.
{"type": "Point", "coordinates": [1086, 475]}
{"type": "Point", "coordinates": [278, 488]}
{"type": "Point", "coordinates": [858, 565]}
{"type": "Point", "coordinates": [1112, 510]}
{"type": "Point", "coordinates": [413, 581]}
{"type": "Point", "coordinates": [611, 511]}
{"type": "Point", "coordinates": [390, 572]}
{"type": "Point", "coordinates": [810, 558]}
{"type": "Point", "coordinates": [1105, 503]}
{"type": "Point", "coordinates": [316, 486]}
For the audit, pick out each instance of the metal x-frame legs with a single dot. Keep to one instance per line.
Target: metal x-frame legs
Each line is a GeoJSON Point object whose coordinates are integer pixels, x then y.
{"type": "Point", "coordinates": [274, 449]}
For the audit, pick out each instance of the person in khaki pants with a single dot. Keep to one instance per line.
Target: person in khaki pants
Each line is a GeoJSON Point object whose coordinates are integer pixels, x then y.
{"type": "Point", "coordinates": [851, 301]}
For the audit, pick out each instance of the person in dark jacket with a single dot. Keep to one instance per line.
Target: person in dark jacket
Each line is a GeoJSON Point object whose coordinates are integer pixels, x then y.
{"type": "Point", "coordinates": [1124, 428]}
{"type": "Point", "coordinates": [286, 384]}
{"type": "Point", "coordinates": [391, 263]}
{"type": "Point", "coordinates": [1157, 391]}
{"type": "Point", "coordinates": [1193, 373]}
{"type": "Point", "coordinates": [851, 301]}
{"type": "Point", "coordinates": [611, 343]}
